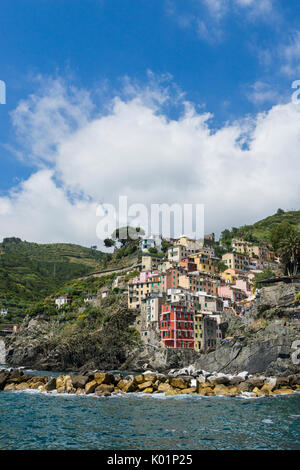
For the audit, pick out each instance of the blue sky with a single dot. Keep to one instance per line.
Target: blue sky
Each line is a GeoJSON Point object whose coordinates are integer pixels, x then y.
{"type": "Point", "coordinates": [233, 59]}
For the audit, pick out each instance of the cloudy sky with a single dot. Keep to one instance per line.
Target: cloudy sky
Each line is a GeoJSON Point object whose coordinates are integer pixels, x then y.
{"type": "Point", "coordinates": [162, 101]}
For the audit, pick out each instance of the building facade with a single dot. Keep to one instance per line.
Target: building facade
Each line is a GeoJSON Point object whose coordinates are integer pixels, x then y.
{"type": "Point", "coordinates": [236, 261]}
{"type": "Point", "coordinates": [177, 327]}
{"type": "Point", "coordinates": [205, 332]}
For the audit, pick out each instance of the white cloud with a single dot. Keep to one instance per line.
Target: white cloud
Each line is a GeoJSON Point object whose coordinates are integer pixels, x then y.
{"type": "Point", "coordinates": [39, 210]}
{"type": "Point", "coordinates": [219, 8]}
{"type": "Point", "coordinates": [136, 149]}
{"type": "Point", "coordinates": [208, 17]}
{"type": "Point", "coordinates": [262, 92]}
{"type": "Point", "coordinates": [290, 56]}
{"type": "Point", "coordinates": [50, 117]}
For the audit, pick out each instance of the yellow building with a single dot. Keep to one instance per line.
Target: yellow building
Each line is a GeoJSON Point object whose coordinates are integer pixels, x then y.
{"type": "Point", "coordinates": [195, 282]}
{"type": "Point", "coordinates": [236, 260]}
{"type": "Point", "coordinates": [204, 263]}
{"type": "Point", "coordinates": [241, 246]}
{"type": "Point", "coordinates": [231, 275]}
{"type": "Point", "coordinates": [139, 290]}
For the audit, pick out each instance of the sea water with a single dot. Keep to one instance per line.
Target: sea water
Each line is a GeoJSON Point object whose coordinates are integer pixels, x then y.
{"type": "Point", "coordinates": [34, 420]}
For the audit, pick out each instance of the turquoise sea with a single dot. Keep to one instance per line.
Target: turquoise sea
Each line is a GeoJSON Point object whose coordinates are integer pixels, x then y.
{"type": "Point", "coordinates": [32, 420]}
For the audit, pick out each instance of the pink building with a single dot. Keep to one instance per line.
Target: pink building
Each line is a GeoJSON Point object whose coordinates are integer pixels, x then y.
{"type": "Point", "coordinates": [144, 276]}
{"type": "Point", "coordinates": [231, 292]}
{"type": "Point", "coordinates": [244, 286]}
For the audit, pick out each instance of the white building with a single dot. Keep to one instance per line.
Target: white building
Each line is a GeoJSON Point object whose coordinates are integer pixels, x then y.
{"type": "Point", "coordinates": [90, 299]}
{"type": "Point", "coordinates": [152, 242]}
{"type": "Point", "coordinates": [62, 300]}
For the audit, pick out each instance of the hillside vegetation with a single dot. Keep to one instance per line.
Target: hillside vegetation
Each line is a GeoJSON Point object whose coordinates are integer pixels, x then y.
{"type": "Point", "coordinates": [99, 337]}
{"type": "Point", "coordinates": [261, 231]}
{"type": "Point", "coordinates": [29, 271]}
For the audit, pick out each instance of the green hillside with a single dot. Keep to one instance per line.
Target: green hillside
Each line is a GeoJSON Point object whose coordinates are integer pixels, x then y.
{"type": "Point", "coordinates": [261, 230]}
{"type": "Point", "coordinates": [29, 271]}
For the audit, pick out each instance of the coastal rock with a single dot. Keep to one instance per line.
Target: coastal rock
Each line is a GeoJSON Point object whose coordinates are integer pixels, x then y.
{"type": "Point", "coordinates": [283, 391]}
{"type": "Point", "coordinates": [104, 378]}
{"type": "Point", "coordinates": [91, 387]}
{"type": "Point", "coordinates": [245, 387]}
{"type": "Point", "coordinates": [179, 382]}
{"type": "Point", "coordinates": [79, 381]}
{"type": "Point", "coordinates": [105, 388]}
{"type": "Point", "coordinates": [164, 387]}
{"type": "Point", "coordinates": [36, 378]}
{"type": "Point", "coordinates": [221, 389]}
{"type": "Point", "coordinates": [236, 380]}
{"type": "Point", "coordinates": [148, 390]}
{"type": "Point", "coordinates": [244, 375]}
{"type": "Point", "coordinates": [206, 391]}
{"type": "Point", "coordinates": [188, 391]}
{"type": "Point", "coordinates": [9, 387]}
{"type": "Point", "coordinates": [139, 379]}
{"type": "Point", "coordinates": [256, 382]}
{"type": "Point", "coordinates": [171, 392]}
{"type": "Point", "coordinates": [149, 377]}
{"type": "Point", "coordinates": [222, 380]}
{"type": "Point", "coordinates": [127, 386]}
{"type": "Point", "coordinates": [295, 379]}
{"type": "Point", "coordinates": [270, 384]}
{"type": "Point", "coordinates": [64, 384]}
{"type": "Point", "coordinates": [201, 379]}
{"type": "Point", "coordinates": [3, 379]}
{"type": "Point", "coordinates": [51, 385]}
{"type": "Point", "coordinates": [283, 381]}
{"type": "Point", "coordinates": [145, 385]}
{"type": "Point", "coordinates": [16, 374]}
{"type": "Point", "coordinates": [36, 385]}
{"type": "Point", "coordinates": [22, 386]}
{"type": "Point", "coordinates": [260, 393]}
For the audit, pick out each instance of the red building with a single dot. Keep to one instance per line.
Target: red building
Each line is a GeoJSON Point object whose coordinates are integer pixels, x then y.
{"type": "Point", "coordinates": [177, 326]}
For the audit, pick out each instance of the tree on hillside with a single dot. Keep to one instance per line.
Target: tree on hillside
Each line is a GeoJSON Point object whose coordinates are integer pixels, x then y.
{"type": "Point", "coordinates": [226, 234]}
{"type": "Point", "coordinates": [108, 242]}
{"type": "Point", "coordinates": [280, 212]}
{"type": "Point", "coordinates": [280, 232]}
{"type": "Point", "coordinates": [165, 246]}
{"type": "Point", "coordinates": [127, 234]}
{"type": "Point", "coordinates": [289, 251]}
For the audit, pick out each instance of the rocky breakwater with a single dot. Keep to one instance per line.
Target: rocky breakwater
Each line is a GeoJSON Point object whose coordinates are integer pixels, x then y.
{"type": "Point", "coordinates": [105, 384]}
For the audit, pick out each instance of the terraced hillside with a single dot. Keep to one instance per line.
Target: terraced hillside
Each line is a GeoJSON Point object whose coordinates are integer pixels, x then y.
{"type": "Point", "coordinates": [29, 271]}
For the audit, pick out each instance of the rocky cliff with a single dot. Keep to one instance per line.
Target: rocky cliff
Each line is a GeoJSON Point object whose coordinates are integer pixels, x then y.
{"type": "Point", "coordinates": [100, 339]}
{"type": "Point", "coordinates": [263, 338]}
{"type": "Point", "coordinates": [262, 341]}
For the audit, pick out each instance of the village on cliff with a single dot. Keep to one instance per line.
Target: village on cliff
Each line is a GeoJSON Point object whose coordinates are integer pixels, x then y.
{"type": "Point", "coordinates": [182, 294]}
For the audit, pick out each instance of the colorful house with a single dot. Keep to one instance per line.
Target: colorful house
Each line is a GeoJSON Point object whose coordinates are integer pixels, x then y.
{"type": "Point", "coordinates": [205, 333]}
{"type": "Point", "coordinates": [177, 327]}
{"type": "Point", "coordinates": [232, 293]}
{"type": "Point", "coordinates": [236, 261]}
